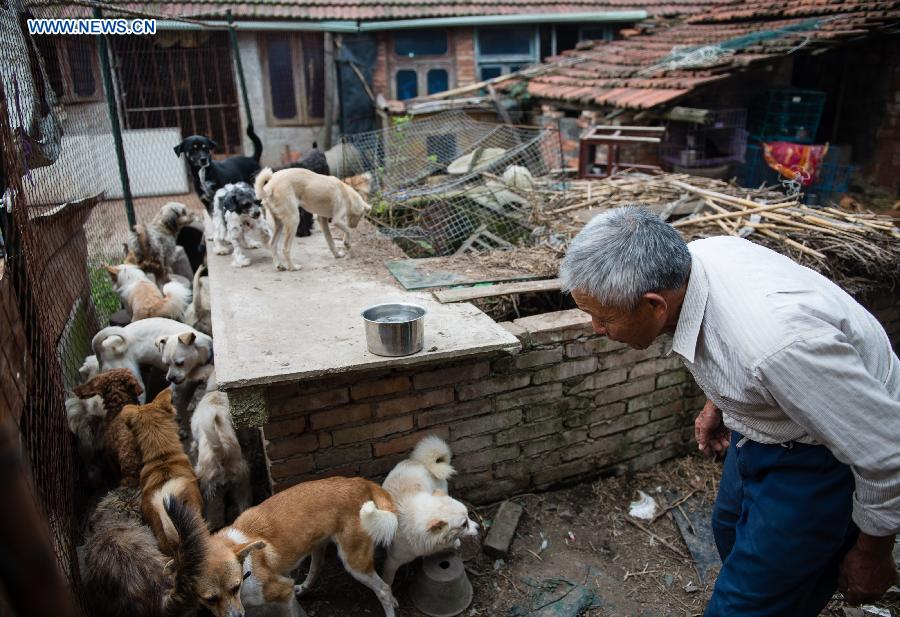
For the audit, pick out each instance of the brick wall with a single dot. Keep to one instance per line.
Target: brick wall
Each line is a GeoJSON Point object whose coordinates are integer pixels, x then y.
{"type": "Point", "coordinates": [464, 44]}
{"type": "Point", "coordinates": [380, 72]}
{"type": "Point", "coordinates": [570, 405]}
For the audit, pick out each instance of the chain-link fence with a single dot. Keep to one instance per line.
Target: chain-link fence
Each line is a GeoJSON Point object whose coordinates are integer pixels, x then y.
{"type": "Point", "coordinates": [449, 183]}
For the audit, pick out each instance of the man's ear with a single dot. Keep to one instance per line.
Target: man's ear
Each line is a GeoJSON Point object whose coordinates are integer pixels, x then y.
{"type": "Point", "coordinates": [436, 525]}
{"type": "Point", "coordinates": [243, 550]}
{"type": "Point", "coordinates": [657, 303]}
{"type": "Point", "coordinates": [187, 338]}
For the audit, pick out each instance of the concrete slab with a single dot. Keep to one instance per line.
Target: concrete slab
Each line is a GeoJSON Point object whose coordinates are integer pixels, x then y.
{"type": "Point", "coordinates": [272, 327]}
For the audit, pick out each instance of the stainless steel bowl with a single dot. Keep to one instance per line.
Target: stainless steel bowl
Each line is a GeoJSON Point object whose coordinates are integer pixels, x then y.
{"type": "Point", "coordinates": [394, 329]}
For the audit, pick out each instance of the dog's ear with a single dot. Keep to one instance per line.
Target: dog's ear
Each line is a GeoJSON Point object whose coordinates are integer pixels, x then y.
{"type": "Point", "coordinates": [113, 271]}
{"type": "Point", "coordinates": [213, 145]}
{"type": "Point", "coordinates": [136, 388]}
{"type": "Point", "coordinates": [243, 550]}
{"type": "Point", "coordinates": [179, 149]}
{"type": "Point", "coordinates": [164, 398]}
{"type": "Point", "coordinates": [187, 338]}
{"type": "Point", "coordinates": [128, 414]}
{"type": "Point", "coordinates": [161, 344]}
{"type": "Point", "coordinates": [436, 525]}
{"type": "Point", "coordinates": [439, 493]}
{"type": "Point", "coordinates": [169, 568]}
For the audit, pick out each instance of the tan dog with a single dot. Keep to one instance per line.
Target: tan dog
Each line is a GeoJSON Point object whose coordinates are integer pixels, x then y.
{"type": "Point", "coordinates": [143, 298]}
{"type": "Point", "coordinates": [283, 192]}
{"type": "Point", "coordinates": [361, 183]}
{"type": "Point", "coordinates": [166, 468]}
{"type": "Point", "coordinates": [267, 541]}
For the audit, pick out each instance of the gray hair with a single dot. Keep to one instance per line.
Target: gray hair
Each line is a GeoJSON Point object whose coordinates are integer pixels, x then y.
{"type": "Point", "coordinates": [624, 253]}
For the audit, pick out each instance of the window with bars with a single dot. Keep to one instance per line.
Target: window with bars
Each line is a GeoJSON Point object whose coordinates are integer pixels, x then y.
{"type": "Point", "coordinates": [294, 77]}
{"type": "Point", "coordinates": [422, 63]}
{"type": "Point", "coordinates": [72, 67]}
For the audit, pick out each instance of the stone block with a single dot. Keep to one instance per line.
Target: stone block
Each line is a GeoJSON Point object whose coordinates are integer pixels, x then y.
{"type": "Point", "coordinates": [486, 387]}
{"type": "Point", "coordinates": [503, 530]}
{"type": "Point", "coordinates": [486, 424]}
{"type": "Point", "coordinates": [566, 370]}
{"type": "Point", "coordinates": [380, 387]}
{"type": "Point", "coordinates": [371, 431]}
{"type": "Point", "coordinates": [452, 375]}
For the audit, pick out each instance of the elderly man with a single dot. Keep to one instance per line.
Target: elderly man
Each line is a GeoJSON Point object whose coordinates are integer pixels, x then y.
{"type": "Point", "coordinates": [802, 383]}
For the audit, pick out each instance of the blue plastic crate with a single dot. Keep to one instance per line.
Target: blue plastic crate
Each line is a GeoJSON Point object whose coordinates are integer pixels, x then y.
{"type": "Point", "coordinates": [787, 115]}
{"type": "Point", "coordinates": [833, 179]}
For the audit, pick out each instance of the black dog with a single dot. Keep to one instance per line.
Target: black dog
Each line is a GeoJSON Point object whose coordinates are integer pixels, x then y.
{"type": "Point", "coordinates": [209, 175]}
{"type": "Point", "coordinates": [314, 160]}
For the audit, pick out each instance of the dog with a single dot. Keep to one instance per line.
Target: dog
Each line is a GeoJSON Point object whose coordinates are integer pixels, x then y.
{"type": "Point", "coordinates": [236, 213]}
{"type": "Point", "coordinates": [361, 183]}
{"type": "Point", "coordinates": [198, 314]}
{"type": "Point", "coordinates": [208, 175]}
{"type": "Point", "coordinates": [94, 416]}
{"type": "Point", "coordinates": [143, 298]}
{"type": "Point", "coordinates": [123, 570]}
{"type": "Point", "coordinates": [220, 467]}
{"type": "Point", "coordinates": [327, 197]}
{"type": "Point", "coordinates": [430, 520]}
{"type": "Point", "coordinates": [89, 368]}
{"type": "Point", "coordinates": [155, 342]}
{"type": "Point", "coordinates": [153, 247]}
{"type": "Point", "coordinates": [314, 160]}
{"type": "Point", "coordinates": [267, 541]}
{"type": "Point", "coordinates": [166, 470]}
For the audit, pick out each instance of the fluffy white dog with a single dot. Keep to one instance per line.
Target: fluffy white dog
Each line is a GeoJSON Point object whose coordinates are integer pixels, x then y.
{"type": "Point", "coordinates": [236, 214]}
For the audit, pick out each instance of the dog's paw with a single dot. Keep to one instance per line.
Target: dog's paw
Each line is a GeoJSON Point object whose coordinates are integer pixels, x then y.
{"type": "Point", "coordinates": [240, 263]}
{"type": "Point", "coordinates": [340, 253]}
{"type": "Point", "coordinates": [395, 602]}
{"type": "Point", "coordinates": [222, 250]}
{"type": "Point", "coordinates": [299, 590]}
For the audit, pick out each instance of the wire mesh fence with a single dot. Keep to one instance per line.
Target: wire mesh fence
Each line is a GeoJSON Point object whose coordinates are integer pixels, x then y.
{"type": "Point", "coordinates": [450, 183]}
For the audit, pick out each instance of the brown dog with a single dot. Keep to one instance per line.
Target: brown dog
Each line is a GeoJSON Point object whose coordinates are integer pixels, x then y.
{"type": "Point", "coordinates": [267, 541]}
{"type": "Point", "coordinates": [166, 468]}
{"type": "Point", "coordinates": [117, 388]}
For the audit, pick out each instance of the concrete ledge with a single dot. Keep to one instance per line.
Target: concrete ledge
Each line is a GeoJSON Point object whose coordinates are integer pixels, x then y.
{"type": "Point", "coordinates": [273, 327]}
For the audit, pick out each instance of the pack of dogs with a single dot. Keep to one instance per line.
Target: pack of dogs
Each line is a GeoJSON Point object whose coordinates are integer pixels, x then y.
{"type": "Point", "coordinates": [175, 530]}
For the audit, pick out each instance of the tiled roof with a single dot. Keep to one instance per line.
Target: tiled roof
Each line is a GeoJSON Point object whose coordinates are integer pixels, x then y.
{"type": "Point", "coordinates": [407, 9]}
{"type": "Point", "coordinates": [644, 71]}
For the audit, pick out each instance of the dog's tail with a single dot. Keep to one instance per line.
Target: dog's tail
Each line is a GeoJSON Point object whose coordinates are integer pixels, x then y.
{"type": "Point", "coordinates": [262, 179]}
{"type": "Point", "coordinates": [188, 557]}
{"type": "Point", "coordinates": [380, 525]}
{"type": "Point", "coordinates": [257, 144]}
{"type": "Point", "coordinates": [112, 338]}
{"type": "Point", "coordinates": [176, 298]}
{"type": "Point", "coordinates": [434, 453]}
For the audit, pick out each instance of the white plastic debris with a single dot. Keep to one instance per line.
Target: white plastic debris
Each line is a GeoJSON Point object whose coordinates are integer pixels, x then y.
{"type": "Point", "coordinates": [691, 587]}
{"type": "Point", "coordinates": [644, 508]}
{"type": "Point", "coordinates": [545, 542]}
{"type": "Point", "coordinates": [518, 177]}
{"type": "Point", "coordinates": [875, 611]}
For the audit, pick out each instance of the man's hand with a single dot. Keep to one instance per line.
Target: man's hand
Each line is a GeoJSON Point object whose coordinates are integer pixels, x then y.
{"type": "Point", "coordinates": [709, 431]}
{"type": "Point", "coordinates": [867, 569]}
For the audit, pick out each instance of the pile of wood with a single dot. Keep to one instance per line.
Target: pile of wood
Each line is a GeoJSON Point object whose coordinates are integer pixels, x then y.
{"type": "Point", "coordinates": [858, 250]}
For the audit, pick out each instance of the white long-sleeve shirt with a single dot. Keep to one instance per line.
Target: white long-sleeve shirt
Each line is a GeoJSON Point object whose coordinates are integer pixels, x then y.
{"type": "Point", "coordinates": [789, 356]}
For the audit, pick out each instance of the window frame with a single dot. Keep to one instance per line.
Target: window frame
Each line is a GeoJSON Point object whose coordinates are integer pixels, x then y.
{"type": "Point", "coordinates": [298, 67]}
{"type": "Point", "coordinates": [61, 57]}
{"type": "Point", "coordinates": [422, 64]}
{"type": "Point", "coordinates": [506, 61]}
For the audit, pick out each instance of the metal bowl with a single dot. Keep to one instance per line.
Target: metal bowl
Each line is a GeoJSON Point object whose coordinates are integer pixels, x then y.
{"type": "Point", "coordinates": [394, 329]}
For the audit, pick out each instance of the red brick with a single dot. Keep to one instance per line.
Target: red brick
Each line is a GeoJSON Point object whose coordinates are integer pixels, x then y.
{"type": "Point", "coordinates": [457, 411]}
{"type": "Point", "coordinates": [407, 442]}
{"type": "Point", "coordinates": [349, 414]}
{"type": "Point", "coordinates": [286, 427]}
{"type": "Point", "coordinates": [308, 402]}
{"type": "Point", "coordinates": [292, 467]}
{"type": "Point", "coordinates": [293, 444]}
{"type": "Point", "coordinates": [413, 402]}
{"type": "Point", "coordinates": [493, 386]}
{"type": "Point", "coordinates": [380, 387]}
{"type": "Point", "coordinates": [451, 376]}
{"type": "Point", "coordinates": [372, 431]}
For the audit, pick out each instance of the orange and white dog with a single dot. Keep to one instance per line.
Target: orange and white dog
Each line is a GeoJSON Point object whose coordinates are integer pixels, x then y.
{"type": "Point", "coordinates": [268, 541]}
{"type": "Point", "coordinates": [143, 298]}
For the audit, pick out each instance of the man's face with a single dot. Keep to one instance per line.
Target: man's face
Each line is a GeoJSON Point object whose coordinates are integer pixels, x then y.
{"type": "Point", "coordinates": [638, 329]}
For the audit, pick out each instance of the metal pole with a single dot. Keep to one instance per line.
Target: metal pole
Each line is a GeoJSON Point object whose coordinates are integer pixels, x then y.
{"type": "Point", "coordinates": [114, 122]}
{"type": "Point", "coordinates": [240, 69]}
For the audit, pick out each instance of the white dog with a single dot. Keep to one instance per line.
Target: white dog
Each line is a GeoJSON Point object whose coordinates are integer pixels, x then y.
{"type": "Point", "coordinates": [198, 314]}
{"type": "Point", "coordinates": [237, 213]}
{"type": "Point", "coordinates": [221, 469]}
{"type": "Point", "coordinates": [430, 520]}
{"type": "Point", "coordinates": [162, 343]}
{"type": "Point", "coordinates": [283, 192]}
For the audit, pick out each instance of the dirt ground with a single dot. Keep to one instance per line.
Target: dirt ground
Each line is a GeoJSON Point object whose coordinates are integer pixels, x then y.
{"type": "Point", "coordinates": [631, 573]}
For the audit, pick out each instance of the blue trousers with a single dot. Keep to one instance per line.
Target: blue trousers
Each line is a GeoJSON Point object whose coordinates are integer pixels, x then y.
{"type": "Point", "coordinates": [782, 525]}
